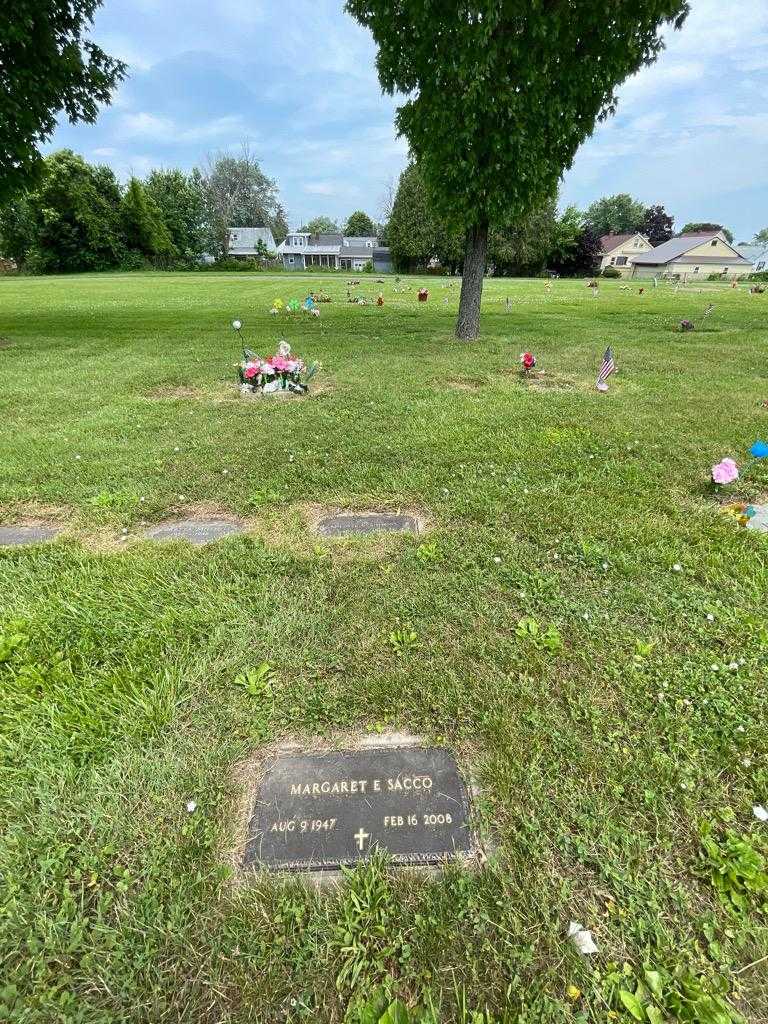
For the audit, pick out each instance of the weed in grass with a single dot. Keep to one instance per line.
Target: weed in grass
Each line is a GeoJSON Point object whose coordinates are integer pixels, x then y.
{"type": "Point", "coordinates": [428, 551]}
{"type": "Point", "coordinates": [367, 944]}
{"type": "Point", "coordinates": [657, 996]}
{"type": "Point", "coordinates": [403, 640]}
{"type": "Point", "coordinates": [530, 632]}
{"type": "Point", "coordinates": [736, 866]}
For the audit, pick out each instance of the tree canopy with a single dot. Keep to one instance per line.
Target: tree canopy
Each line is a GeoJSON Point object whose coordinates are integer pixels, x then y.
{"type": "Point", "coordinates": [359, 224]}
{"type": "Point", "coordinates": [703, 227]}
{"type": "Point", "coordinates": [501, 95]}
{"type": "Point", "coordinates": [47, 65]}
{"type": "Point", "coordinates": [657, 225]}
{"type": "Point", "coordinates": [70, 222]}
{"type": "Point", "coordinates": [615, 215]}
{"type": "Point", "coordinates": [761, 237]}
{"type": "Point", "coordinates": [179, 199]}
{"type": "Point", "coordinates": [145, 231]}
{"type": "Point", "coordinates": [321, 226]}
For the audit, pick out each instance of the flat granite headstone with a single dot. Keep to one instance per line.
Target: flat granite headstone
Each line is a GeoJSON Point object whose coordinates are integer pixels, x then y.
{"type": "Point", "coordinates": [366, 522]}
{"type": "Point", "coordinates": [16, 536]}
{"type": "Point", "coordinates": [318, 812]}
{"type": "Point", "coordinates": [759, 520]}
{"type": "Point", "coordinates": [195, 531]}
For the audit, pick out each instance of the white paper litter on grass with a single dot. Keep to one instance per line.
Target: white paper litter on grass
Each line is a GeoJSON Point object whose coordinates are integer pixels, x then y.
{"type": "Point", "coordinates": [760, 812]}
{"type": "Point", "coordinates": [581, 938]}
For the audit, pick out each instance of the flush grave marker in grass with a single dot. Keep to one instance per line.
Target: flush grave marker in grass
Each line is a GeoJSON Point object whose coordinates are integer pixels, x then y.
{"type": "Point", "coordinates": [367, 522]}
{"type": "Point", "coordinates": [322, 811]}
{"type": "Point", "coordinates": [16, 536]}
{"type": "Point", "coordinates": [194, 531]}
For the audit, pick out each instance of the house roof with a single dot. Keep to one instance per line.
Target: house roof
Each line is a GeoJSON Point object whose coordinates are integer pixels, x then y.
{"type": "Point", "coordinates": [753, 253]}
{"type": "Point", "coordinates": [356, 251]}
{"type": "Point", "coordinates": [248, 239]}
{"type": "Point", "coordinates": [679, 246]}
{"type": "Point", "coordinates": [610, 242]}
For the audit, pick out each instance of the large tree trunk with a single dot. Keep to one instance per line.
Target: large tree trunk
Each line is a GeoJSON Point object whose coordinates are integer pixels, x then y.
{"type": "Point", "coordinates": [468, 323]}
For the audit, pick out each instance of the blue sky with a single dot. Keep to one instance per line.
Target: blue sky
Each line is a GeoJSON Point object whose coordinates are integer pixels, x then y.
{"type": "Point", "coordinates": [297, 81]}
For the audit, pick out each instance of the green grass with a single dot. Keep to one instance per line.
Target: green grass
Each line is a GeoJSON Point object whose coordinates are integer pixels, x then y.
{"type": "Point", "coordinates": [601, 758]}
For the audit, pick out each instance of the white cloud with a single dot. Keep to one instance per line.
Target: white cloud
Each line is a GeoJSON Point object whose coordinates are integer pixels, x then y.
{"type": "Point", "coordinates": [164, 129]}
{"type": "Point", "coordinates": [320, 188]}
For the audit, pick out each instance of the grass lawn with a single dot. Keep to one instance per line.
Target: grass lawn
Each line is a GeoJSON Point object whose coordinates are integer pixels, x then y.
{"type": "Point", "coordinates": [600, 759]}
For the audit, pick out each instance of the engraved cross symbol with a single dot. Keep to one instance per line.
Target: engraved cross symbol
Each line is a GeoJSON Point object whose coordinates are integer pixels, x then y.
{"type": "Point", "coordinates": [360, 837]}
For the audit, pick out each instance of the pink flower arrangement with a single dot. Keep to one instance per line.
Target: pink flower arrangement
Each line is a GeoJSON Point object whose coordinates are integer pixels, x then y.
{"type": "Point", "coordinates": [528, 360]}
{"type": "Point", "coordinates": [725, 472]}
{"type": "Point", "coordinates": [279, 372]}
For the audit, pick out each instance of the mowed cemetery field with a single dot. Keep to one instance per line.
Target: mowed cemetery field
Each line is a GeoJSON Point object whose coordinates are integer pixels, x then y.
{"type": "Point", "coordinates": [578, 622]}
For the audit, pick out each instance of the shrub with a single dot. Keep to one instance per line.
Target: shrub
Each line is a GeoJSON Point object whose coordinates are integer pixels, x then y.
{"type": "Point", "coordinates": [715, 277]}
{"type": "Point", "coordinates": [368, 268]}
{"type": "Point", "coordinates": [611, 272]}
{"type": "Point", "coordinates": [134, 260]}
{"type": "Point", "coordinates": [761, 275]}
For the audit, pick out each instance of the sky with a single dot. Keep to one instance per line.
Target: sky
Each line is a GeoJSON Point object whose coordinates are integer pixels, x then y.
{"type": "Point", "coordinates": [297, 81]}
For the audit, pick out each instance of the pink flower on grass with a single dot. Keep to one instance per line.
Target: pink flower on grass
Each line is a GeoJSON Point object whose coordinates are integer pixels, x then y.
{"type": "Point", "coordinates": [279, 363]}
{"type": "Point", "coordinates": [725, 472]}
{"type": "Point", "coordinates": [250, 371]}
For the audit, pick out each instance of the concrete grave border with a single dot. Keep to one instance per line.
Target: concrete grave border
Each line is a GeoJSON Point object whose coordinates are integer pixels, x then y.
{"type": "Point", "coordinates": [247, 778]}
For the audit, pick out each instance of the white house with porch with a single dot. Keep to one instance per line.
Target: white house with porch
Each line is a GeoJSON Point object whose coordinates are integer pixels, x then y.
{"type": "Point", "coordinates": [302, 250]}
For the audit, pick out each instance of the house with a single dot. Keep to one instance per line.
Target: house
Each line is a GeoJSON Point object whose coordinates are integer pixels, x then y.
{"type": "Point", "coordinates": [757, 256]}
{"type": "Point", "coordinates": [687, 257]}
{"type": "Point", "coordinates": [619, 251]}
{"type": "Point", "coordinates": [245, 241]}
{"type": "Point", "coordinates": [301, 250]}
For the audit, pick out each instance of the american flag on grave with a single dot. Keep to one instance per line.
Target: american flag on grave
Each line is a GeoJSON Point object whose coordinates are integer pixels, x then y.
{"type": "Point", "coordinates": [607, 367]}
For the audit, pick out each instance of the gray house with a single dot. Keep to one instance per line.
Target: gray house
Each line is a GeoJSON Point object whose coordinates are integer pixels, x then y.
{"type": "Point", "coordinates": [301, 250]}
{"type": "Point", "coordinates": [245, 241]}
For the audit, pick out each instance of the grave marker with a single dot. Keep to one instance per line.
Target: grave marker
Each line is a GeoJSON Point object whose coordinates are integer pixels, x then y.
{"type": "Point", "coordinates": [366, 522]}
{"type": "Point", "coordinates": [195, 531]}
{"type": "Point", "coordinates": [16, 536]}
{"type": "Point", "coordinates": [320, 811]}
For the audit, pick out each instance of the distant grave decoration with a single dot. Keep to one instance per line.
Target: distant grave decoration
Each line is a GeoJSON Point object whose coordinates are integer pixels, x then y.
{"type": "Point", "coordinates": [727, 472]}
{"type": "Point", "coordinates": [527, 362]}
{"type": "Point", "coordinates": [310, 306]}
{"type": "Point", "coordinates": [281, 374]}
{"type": "Point", "coordinates": [380, 299]}
{"type": "Point", "coordinates": [740, 511]}
{"type": "Point", "coordinates": [423, 294]}
{"type": "Point", "coordinates": [686, 325]}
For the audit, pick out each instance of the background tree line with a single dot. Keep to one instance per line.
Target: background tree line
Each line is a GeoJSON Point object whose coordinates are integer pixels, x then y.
{"type": "Point", "coordinates": [76, 216]}
{"type": "Point", "coordinates": [566, 243]}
